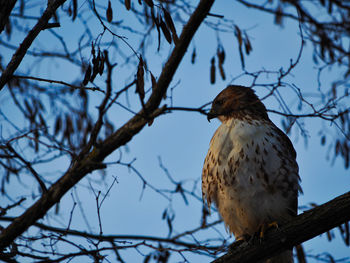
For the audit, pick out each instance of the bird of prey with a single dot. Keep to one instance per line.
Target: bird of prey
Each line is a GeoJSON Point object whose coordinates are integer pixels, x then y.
{"type": "Point", "coordinates": [250, 172]}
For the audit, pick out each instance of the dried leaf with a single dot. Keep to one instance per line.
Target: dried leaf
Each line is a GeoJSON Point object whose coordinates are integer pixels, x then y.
{"type": "Point", "coordinates": [28, 107]}
{"type": "Point", "coordinates": [149, 3]}
{"type": "Point", "coordinates": [221, 58]}
{"type": "Point", "coordinates": [278, 15]}
{"type": "Point", "coordinates": [334, 91]}
{"type": "Point", "coordinates": [69, 124]}
{"type": "Point", "coordinates": [57, 208]}
{"type": "Point", "coordinates": [36, 144]}
{"type": "Point", "coordinates": [101, 64]}
{"type": "Point", "coordinates": [96, 66]}
{"type": "Point", "coordinates": [58, 125]}
{"type": "Point", "coordinates": [127, 4]}
{"type": "Point", "coordinates": [222, 72]}
{"type": "Point", "coordinates": [168, 220]}
{"type": "Point", "coordinates": [193, 56]}
{"type": "Point", "coordinates": [165, 31]}
{"type": "Point", "coordinates": [331, 259]}
{"type": "Point", "coordinates": [75, 9]}
{"type": "Point", "coordinates": [330, 7]}
{"type": "Point", "coordinates": [247, 45]}
{"type": "Point", "coordinates": [87, 75]}
{"type": "Point", "coordinates": [21, 7]}
{"type": "Point", "coordinates": [238, 35]}
{"type": "Point", "coordinates": [154, 81]}
{"type": "Point", "coordinates": [170, 24]}
{"type": "Point", "coordinates": [109, 12]}
{"type": "Point", "coordinates": [212, 70]}
{"type": "Point", "coordinates": [329, 235]}
{"type": "Point", "coordinates": [42, 121]}
{"type": "Point", "coordinates": [221, 55]}
{"type": "Point", "coordinates": [337, 147]}
{"type": "Point", "coordinates": [140, 80]}
{"type": "Point", "coordinates": [8, 29]}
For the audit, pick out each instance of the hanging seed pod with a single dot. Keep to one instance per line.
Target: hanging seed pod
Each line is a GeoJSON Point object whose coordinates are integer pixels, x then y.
{"type": "Point", "coordinates": [221, 59]}
{"type": "Point", "coordinates": [193, 56]}
{"type": "Point", "coordinates": [75, 9]}
{"type": "Point", "coordinates": [140, 80]}
{"type": "Point", "coordinates": [212, 70]}
{"type": "Point", "coordinates": [87, 75]}
{"type": "Point", "coordinates": [165, 31]}
{"type": "Point", "coordinates": [247, 45]}
{"type": "Point", "coordinates": [149, 3]}
{"type": "Point", "coordinates": [127, 4]}
{"type": "Point", "coordinates": [170, 24]}
{"type": "Point", "coordinates": [154, 82]}
{"type": "Point", "coordinates": [109, 12]}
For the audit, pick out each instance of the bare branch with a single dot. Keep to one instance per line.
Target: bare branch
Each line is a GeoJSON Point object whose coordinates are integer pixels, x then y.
{"type": "Point", "coordinates": [93, 159]}
{"type": "Point", "coordinates": [22, 49]}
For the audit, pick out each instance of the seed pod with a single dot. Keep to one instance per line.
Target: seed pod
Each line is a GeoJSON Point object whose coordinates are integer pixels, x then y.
{"type": "Point", "coordinates": [109, 12]}
{"type": "Point", "coordinates": [221, 58]}
{"type": "Point", "coordinates": [149, 3]}
{"type": "Point", "coordinates": [154, 82]}
{"type": "Point", "coordinates": [75, 9]}
{"type": "Point", "coordinates": [165, 31]}
{"type": "Point", "coordinates": [193, 56]}
{"type": "Point", "coordinates": [87, 75]}
{"type": "Point", "coordinates": [58, 125]}
{"type": "Point", "coordinates": [170, 24]}
{"type": "Point", "coordinates": [140, 80]}
{"type": "Point", "coordinates": [247, 45]}
{"type": "Point", "coordinates": [212, 70]}
{"type": "Point", "coordinates": [127, 4]}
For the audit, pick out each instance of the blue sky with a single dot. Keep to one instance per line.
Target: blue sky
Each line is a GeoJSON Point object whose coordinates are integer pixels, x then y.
{"type": "Point", "coordinates": [181, 139]}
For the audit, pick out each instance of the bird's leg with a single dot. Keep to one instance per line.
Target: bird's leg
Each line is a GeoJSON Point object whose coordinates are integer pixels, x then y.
{"type": "Point", "coordinates": [265, 227]}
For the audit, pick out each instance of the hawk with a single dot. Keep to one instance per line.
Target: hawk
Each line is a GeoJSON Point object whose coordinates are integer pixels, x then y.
{"type": "Point", "coordinates": [250, 172]}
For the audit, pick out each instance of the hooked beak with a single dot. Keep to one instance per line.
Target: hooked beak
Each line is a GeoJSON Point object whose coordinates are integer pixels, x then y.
{"type": "Point", "coordinates": [211, 115]}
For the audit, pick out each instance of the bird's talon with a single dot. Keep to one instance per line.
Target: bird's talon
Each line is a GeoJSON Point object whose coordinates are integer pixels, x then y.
{"type": "Point", "coordinates": [265, 227]}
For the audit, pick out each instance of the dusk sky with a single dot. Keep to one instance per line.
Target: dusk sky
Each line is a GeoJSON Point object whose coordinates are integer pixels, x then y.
{"type": "Point", "coordinates": [181, 139]}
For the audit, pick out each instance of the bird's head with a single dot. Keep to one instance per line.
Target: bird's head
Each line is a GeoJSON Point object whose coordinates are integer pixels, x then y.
{"type": "Point", "coordinates": [237, 102]}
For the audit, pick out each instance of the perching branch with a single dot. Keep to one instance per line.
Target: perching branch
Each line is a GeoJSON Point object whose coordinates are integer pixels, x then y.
{"type": "Point", "coordinates": [93, 160]}
{"type": "Point", "coordinates": [302, 228]}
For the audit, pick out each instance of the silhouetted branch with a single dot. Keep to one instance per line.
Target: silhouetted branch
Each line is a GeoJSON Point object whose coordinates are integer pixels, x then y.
{"type": "Point", "coordinates": [5, 11]}
{"type": "Point", "coordinates": [22, 49]}
{"type": "Point", "coordinates": [93, 160]}
{"type": "Point", "coordinates": [172, 240]}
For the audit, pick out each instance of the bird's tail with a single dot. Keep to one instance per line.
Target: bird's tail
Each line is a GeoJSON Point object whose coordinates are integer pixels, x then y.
{"type": "Point", "coordinates": [284, 257]}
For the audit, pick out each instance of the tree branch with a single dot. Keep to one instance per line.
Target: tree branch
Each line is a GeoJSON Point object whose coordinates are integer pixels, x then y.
{"type": "Point", "coordinates": [22, 49]}
{"type": "Point", "coordinates": [5, 11]}
{"type": "Point", "coordinates": [302, 228]}
{"type": "Point", "coordinates": [93, 160]}
{"type": "Point", "coordinates": [99, 237]}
